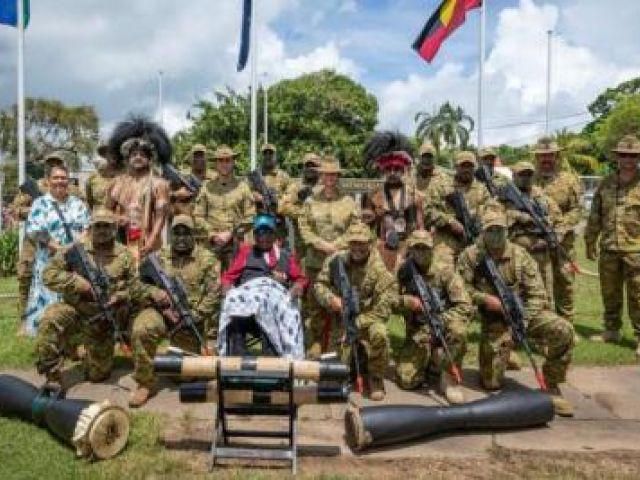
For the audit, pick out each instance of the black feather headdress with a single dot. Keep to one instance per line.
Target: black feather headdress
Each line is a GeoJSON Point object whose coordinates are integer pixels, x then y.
{"type": "Point", "coordinates": [387, 148]}
{"type": "Point", "coordinates": [140, 127]}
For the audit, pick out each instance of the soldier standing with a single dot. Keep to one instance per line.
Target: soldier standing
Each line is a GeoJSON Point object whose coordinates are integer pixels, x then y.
{"type": "Point", "coordinates": [488, 158]}
{"type": "Point", "coordinates": [565, 189]}
{"type": "Point", "coordinates": [376, 296]}
{"type": "Point", "coordinates": [224, 207]}
{"type": "Point", "coordinates": [551, 334]}
{"type": "Point", "coordinates": [429, 176]}
{"type": "Point", "coordinates": [276, 179]}
{"type": "Point", "coordinates": [413, 360]}
{"type": "Point", "coordinates": [522, 230]}
{"type": "Point", "coordinates": [614, 225]}
{"type": "Point", "coordinates": [182, 200]}
{"type": "Point", "coordinates": [99, 182]}
{"type": "Point", "coordinates": [327, 214]}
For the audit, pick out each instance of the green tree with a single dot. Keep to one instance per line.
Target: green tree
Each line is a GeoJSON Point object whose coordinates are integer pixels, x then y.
{"type": "Point", "coordinates": [622, 120]}
{"type": "Point", "coordinates": [324, 112]}
{"type": "Point", "coordinates": [578, 152]}
{"type": "Point", "coordinates": [448, 127]}
{"type": "Point", "coordinates": [604, 103]}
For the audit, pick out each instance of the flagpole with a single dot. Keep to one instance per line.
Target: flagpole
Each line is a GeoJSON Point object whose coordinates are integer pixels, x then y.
{"type": "Point", "coordinates": [548, 105]}
{"type": "Point", "coordinates": [160, 99]}
{"type": "Point", "coordinates": [21, 109]}
{"type": "Point", "coordinates": [266, 110]}
{"type": "Point", "coordinates": [481, 51]}
{"type": "Point", "coordinates": [254, 90]}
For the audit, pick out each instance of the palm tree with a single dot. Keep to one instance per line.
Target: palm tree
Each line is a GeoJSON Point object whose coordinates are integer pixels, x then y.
{"type": "Point", "coordinates": [578, 152]}
{"type": "Point", "coordinates": [448, 127]}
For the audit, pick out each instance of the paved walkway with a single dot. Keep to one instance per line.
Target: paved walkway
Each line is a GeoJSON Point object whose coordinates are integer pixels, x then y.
{"type": "Point", "coordinates": [607, 402]}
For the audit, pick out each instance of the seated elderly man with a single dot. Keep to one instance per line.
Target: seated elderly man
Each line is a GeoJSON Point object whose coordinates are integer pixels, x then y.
{"type": "Point", "coordinates": [262, 286]}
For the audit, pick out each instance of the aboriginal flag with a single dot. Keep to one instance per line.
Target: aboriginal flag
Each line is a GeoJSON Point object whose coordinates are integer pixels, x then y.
{"type": "Point", "coordinates": [449, 16]}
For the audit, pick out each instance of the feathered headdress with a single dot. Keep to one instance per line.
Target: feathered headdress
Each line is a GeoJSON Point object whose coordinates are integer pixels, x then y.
{"type": "Point", "coordinates": [386, 149]}
{"type": "Point", "coordinates": [140, 132]}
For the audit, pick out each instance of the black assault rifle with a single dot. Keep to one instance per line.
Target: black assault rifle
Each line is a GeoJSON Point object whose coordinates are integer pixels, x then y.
{"type": "Point", "coordinates": [350, 310]}
{"type": "Point", "coordinates": [483, 174]}
{"type": "Point", "coordinates": [173, 176]}
{"type": "Point", "coordinates": [463, 215]}
{"type": "Point", "coordinates": [513, 312]}
{"type": "Point", "coordinates": [78, 259]}
{"type": "Point", "coordinates": [433, 307]}
{"type": "Point", "coordinates": [152, 272]}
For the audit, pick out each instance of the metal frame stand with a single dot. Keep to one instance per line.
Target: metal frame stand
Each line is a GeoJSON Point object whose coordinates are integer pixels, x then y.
{"type": "Point", "coordinates": [221, 447]}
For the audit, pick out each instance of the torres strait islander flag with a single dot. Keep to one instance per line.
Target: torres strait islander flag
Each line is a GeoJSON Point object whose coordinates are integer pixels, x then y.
{"type": "Point", "coordinates": [449, 16]}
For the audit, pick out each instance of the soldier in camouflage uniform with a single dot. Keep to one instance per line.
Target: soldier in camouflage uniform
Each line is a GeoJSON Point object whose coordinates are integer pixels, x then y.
{"type": "Point", "coordinates": [99, 182]}
{"type": "Point", "coordinates": [182, 200]}
{"type": "Point", "coordinates": [614, 225]}
{"type": "Point", "coordinates": [413, 359]}
{"type": "Point", "coordinates": [224, 208]}
{"type": "Point", "coordinates": [376, 295]}
{"type": "Point", "coordinates": [449, 232]}
{"type": "Point", "coordinates": [523, 232]}
{"type": "Point", "coordinates": [488, 157]}
{"type": "Point", "coordinates": [200, 273]}
{"type": "Point", "coordinates": [326, 216]}
{"type": "Point", "coordinates": [550, 334]}
{"type": "Point", "coordinates": [429, 177]}
{"type": "Point", "coordinates": [21, 207]}
{"type": "Point", "coordinates": [62, 321]}
{"type": "Point", "coordinates": [565, 189]}
{"type": "Point", "coordinates": [276, 179]}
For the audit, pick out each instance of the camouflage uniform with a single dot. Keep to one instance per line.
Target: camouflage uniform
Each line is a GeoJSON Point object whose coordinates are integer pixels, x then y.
{"type": "Point", "coordinates": [442, 214]}
{"type": "Point", "coordinates": [322, 220]}
{"type": "Point", "coordinates": [185, 206]}
{"type": "Point", "coordinates": [551, 335]}
{"type": "Point", "coordinates": [200, 273]}
{"type": "Point", "coordinates": [428, 185]}
{"type": "Point", "coordinates": [376, 294]}
{"type": "Point", "coordinates": [565, 189]}
{"type": "Point", "coordinates": [414, 355]}
{"type": "Point", "coordinates": [614, 222]}
{"type": "Point", "coordinates": [62, 321]}
{"type": "Point", "coordinates": [224, 205]}
{"type": "Point", "coordinates": [98, 186]}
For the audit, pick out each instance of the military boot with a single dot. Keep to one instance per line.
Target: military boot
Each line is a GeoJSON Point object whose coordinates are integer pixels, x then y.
{"type": "Point", "coordinates": [376, 388]}
{"type": "Point", "coordinates": [450, 389]}
{"type": "Point", "coordinates": [561, 406]}
{"type": "Point", "coordinates": [140, 396]}
{"type": "Point", "coordinates": [608, 336]}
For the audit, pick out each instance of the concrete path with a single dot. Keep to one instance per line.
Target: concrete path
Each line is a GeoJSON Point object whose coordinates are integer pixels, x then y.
{"type": "Point", "coordinates": [607, 402]}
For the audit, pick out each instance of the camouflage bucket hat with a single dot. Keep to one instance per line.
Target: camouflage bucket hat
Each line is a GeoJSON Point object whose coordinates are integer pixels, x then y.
{"type": "Point", "coordinates": [198, 148]}
{"type": "Point", "coordinates": [420, 237]}
{"type": "Point", "coordinates": [425, 148]}
{"type": "Point", "coordinates": [184, 220]}
{"type": "Point", "coordinates": [223, 151]}
{"type": "Point", "coordinates": [628, 144]}
{"type": "Point", "coordinates": [358, 232]}
{"type": "Point", "coordinates": [102, 215]}
{"type": "Point", "coordinates": [487, 152]}
{"type": "Point", "coordinates": [268, 147]}
{"type": "Point", "coordinates": [494, 218]}
{"type": "Point", "coordinates": [329, 165]}
{"type": "Point", "coordinates": [465, 157]}
{"type": "Point", "coordinates": [523, 167]}
{"type": "Point", "coordinates": [546, 145]}
{"type": "Point", "coordinates": [311, 158]}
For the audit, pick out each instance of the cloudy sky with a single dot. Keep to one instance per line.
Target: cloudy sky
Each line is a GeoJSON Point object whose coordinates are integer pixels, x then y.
{"type": "Point", "coordinates": [108, 53]}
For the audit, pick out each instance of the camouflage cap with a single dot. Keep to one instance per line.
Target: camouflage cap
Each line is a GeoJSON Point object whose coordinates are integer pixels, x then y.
{"type": "Point", "coordinates": [523, 166]}
{"type": "Point", "coordinates": [546, 145]}
{"type": "Point", "coordinates": [425, 148]}
{"type": "Point", "coordinates": [224, 151]}
{"type": "Point", "coordinates": [268, 147]}
{"type": "Point", "coordinates": [329, 164]}
{"type": "Point", "coordinates": [420, 237]}
{"type": "Point", "coordinates": [465, 156]}
{"type": "Point", "coordinates": [628, 144]}
{"type": "Point", "coordinates": [358, 232]}
{"type": "Point", "coordinates": [184, 220]}
{"type": "Point", "coordinates": [487, 152]}
{"type": "Point", "coordinates": [311, 158]}
{"type": "Point", "coordinates": [102, 215]}
{"type": "Point", "coordinates": [494, 218]}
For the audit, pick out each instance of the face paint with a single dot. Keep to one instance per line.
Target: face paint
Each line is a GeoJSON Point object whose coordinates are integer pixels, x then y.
{"type": "Point", "coordinates": [495, 237]}
{"type": "Point", "coordinates": [422, 255]}
{"type": "Point", "coordinates": [359, 252]}
{"type": "Point", "coordinates": [426, 165]}
{"type": "Point", "coordinates": [182, 240]}
{"type": "Point", "coordinates": [310, 174]}
{"type": "Point", "coordinates": [102, 234]}
{"type": "Point", "coordinates": [464, 173]}
{"type": "Point", "coordinates": [524, 180]}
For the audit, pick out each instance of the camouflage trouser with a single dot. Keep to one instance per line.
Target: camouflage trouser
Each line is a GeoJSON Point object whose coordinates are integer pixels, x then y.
{"type": "Point", "coordinates": [564, 281]}
{"type": "Point", "coordinates": [315, 318]}
{"type": "Point", "coordinates": [545, 267]}
{"type": "Point", "coordinates": [413, 359]}
{"type": "Point", "coordinates": [147, 331]}
{"type": "Point", "coordinates": [550, 335]}
{"type": "Point", "coordinates": [618, 269]}
{"type": "Point", "coordinates": [60, 327]}
{"type": "Point", "coordinates": [374, 339]}
{"type": "Point", "coordinates": [25, 273]}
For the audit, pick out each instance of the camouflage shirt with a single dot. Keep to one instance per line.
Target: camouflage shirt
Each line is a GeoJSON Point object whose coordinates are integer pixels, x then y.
{"type": "Point", "coordinates": [429, 186]}
{"type": "Point", "coordinates": [98, 185]}
{"type": "Point", "coordinates": [565, 189]}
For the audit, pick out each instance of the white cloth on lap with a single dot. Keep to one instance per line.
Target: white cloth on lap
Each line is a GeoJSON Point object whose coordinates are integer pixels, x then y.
{"type": "Point", "coordinates": [275, 312]}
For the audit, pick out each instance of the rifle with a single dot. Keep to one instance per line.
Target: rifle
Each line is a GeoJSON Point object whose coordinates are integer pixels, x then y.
{"type": "Point", "coordinates": [79, 260]}
{"type": "Point", "coordinates": [173, 176]}
{"type": "Point", "coordinates": [350, 310]}
{"type": "Point", "coordinates": [433, 307]}
{"type": "Point", "coordinates": [483, 174]}
{"type": "Point", "coordinates": [513, 312]}
{"type": "Point", "coordinates": [152, 272]}
{"type": "Point", "coordinates": [463, 215]}
{"type": "Point", "coordinates": [539, 216]}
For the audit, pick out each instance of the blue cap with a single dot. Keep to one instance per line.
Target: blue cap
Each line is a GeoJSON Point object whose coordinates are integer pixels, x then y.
{"type": "Point", "coordinates": [264, 221]}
